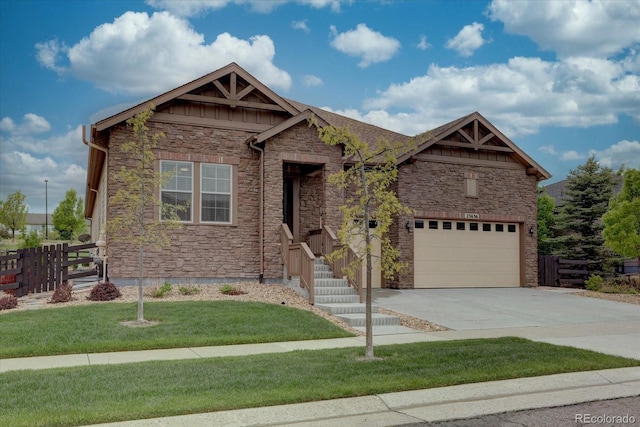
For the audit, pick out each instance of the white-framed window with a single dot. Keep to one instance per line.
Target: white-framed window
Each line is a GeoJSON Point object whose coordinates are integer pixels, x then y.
{"type": "Point", "coordinates": [216, 182]}
{"type": "Point", "coordinates": [177, 191]}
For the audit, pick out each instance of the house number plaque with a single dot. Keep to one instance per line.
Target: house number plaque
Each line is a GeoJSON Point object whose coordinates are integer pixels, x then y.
{"type": "Point", "coordinates": [471, 216]}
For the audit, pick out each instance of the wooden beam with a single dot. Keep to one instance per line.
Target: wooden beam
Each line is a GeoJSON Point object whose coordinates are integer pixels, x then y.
{"type": "Point", "coordinates": [476, 135]}
{"type": "Point", "coordinates": [464, 134]}
{"type": "Point", "coordinates": [474, 146]}
{"type": "Point", "coordinates": [215, 100]}
{"type": "Point", "coordinates": [225, 92]}
{"type": "Point", "coordinates": [466, 161]}
{"type": "Point", "coordinates": [246, 91]}
{"type": "Point", "coordinates": [233, 88]}
{"type": "Point", "coordinates": [486, 138]}
{"type": "Point", "coordinates": [208, 122]}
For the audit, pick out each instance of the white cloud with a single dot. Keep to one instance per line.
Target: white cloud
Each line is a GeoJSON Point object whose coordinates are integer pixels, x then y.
{"type": "Point", "coordinates": [311, 80]}
{"type": "Point", "coordinates": [520, 96]}
{"type": "Point", "coordinates": [31, 124]}
{"type": "Point", "coordinates": [122, 56]}
{"type": "Point", "coordinates": [468, 40]}
{"type": "Point", "coordinates": [188, 8]}
{"type": "Point", "coordinates": [300, 25]}
{"type": "Point", "coordinates": [572, 27]}
{"type": "Point", "coordinates": [423, 44]}
{"type": "Point", "coordinates": [548, 149]}
{"type": "Point", "coordinates": [371, 46]}
{"type": "Point", "coordinates": [624, 152]}
{"type": "Point", "coordinates": [571, 155]}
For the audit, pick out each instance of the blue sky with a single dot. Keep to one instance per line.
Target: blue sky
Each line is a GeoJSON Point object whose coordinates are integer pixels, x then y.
{"type": "Point", "coordinates": [560, 78]}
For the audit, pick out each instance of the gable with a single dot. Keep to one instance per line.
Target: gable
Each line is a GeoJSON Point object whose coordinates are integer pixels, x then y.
{"type": "Point", "coordinates": [227, 98]}
{"type": "Point", "coordinates": [474, 140]}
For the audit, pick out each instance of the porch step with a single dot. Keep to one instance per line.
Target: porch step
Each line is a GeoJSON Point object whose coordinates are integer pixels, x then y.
{"type": "Point", "coordinates": [330, 282]}
{"type": "Point", "coordinates": [377, 319]}
{"type": "Point", "coordinates": [321, 267]}
{"type": "Point", "coordinates": [334, 290]}
{"type": "Point", "coordinates": [322, 274]}
{"type": "Point", "coordinates": [342, 308]}
{"type": "Point", "coordinates": [336, 299]}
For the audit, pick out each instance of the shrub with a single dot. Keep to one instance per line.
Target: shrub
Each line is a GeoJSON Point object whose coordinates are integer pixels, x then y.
{"type": "Point", "coordinates": [8, 302]}
{"type": "Point", "coordinates": [189, 290]}
{"type": "Point", "coordinates": [31, 240]}
{"type": "Point", "coordinates": [593, 283]}
{"type": "Point", "coordinates": [163, 290]}
{"type": "Point", "coordinates": [230, 290]}
{"type": "Point", "coordinates": [61, 294]}
{"type": "Point", "coordinates": [105, 291]}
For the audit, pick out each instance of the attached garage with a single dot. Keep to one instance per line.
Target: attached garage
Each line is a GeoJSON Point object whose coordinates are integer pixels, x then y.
{"type": "Point", "coordinates": [458, 253]}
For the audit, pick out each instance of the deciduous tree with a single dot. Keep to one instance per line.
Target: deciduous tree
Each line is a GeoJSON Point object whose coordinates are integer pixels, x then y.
{"type": "Point", "coordinates": [68, 219]}
{"type": "Point", "coordinates": [13, 213]}
{"type": "Point", "coordinates": [622, 221]}
{"type": "Point", "coordinates": [369, 195]}
{"type": "Point", "coordinates": [136, 199]}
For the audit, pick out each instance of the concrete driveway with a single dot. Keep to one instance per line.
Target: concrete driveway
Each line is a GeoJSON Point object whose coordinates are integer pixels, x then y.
{"type": "Point", "coordinates": [551, 315]}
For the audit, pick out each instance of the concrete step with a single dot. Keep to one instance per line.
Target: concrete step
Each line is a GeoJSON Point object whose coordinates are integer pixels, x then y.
{"type": "Point", "coordinates": [377, 319]}
{"type": "Point", "coordinates": [331, 283]}
{"type": "Point", "coordinates": [322, 274]}
{"type": "Point", "coordinates": [336, 299]}
{"type": "Point", "coordinates": [333, 290]}
{"type": "Point", "coordinates": [322, 267]}
{"type": "Point", "coordinates": [346, 308]}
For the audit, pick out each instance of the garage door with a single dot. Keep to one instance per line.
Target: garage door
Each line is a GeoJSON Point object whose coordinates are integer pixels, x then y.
{"type": "Point", "coordinates": [454, 254]}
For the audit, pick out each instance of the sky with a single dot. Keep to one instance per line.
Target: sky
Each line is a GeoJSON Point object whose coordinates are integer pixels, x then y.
{"type": "Point", "coordinates": [561, 79]}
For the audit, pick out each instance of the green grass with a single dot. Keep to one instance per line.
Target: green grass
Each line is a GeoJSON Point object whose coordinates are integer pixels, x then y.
{"type": "Point", "coordinates": [96, 327]}
{"type": "Point", "coordinates": [95, 394]}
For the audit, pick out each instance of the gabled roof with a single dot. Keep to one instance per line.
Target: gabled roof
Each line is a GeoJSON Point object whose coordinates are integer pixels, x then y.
{"type": "Point", "coordinates": [303, 116]}
{"type": "Point", "coordinates": [483, 137]}
{"type": "Point", "coordinates": [182, 91]}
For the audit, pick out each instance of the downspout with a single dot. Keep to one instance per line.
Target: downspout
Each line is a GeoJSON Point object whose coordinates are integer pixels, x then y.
{"type": "Point", "coordinates": [261, 216]}
{"type": "Point", "coordinates": [106, 165]}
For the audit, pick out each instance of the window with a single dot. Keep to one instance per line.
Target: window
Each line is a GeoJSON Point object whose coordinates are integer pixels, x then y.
{"type": "Point", "coordinates": [433, 225]}
{"type": "Point", "coordinates": [177, 193]}
{"type": "Point", "coordinates": [215, 190]}
{"type": "Point", "coordinates": [500, 227]}
{"type": "Point", "coordinates": [460, 225]}
{"type": "Point", "coordinates": [473, 226]}
{"type": "Point", "coordinates": [419, 223]}
{"type": "Point", "coordinates": [486, 227]}
{"type": "Point", "coordinates": [446, 225]}
{"type": "Point", "coordinates": [511, 228]}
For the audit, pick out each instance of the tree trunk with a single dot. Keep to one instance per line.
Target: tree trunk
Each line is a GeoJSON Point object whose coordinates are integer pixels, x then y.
{"type": "Point", "coordinates": [368, 317]}
{"type": "Point", "coordinates": [140, 287]}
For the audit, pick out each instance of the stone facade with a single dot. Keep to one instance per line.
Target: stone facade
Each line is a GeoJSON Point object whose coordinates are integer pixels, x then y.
{"type": "Point", "coordinates": [437, 190]}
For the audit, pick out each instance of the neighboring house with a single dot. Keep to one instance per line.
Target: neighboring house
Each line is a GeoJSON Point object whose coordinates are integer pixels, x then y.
{"type": "Point", "coordinates": [247, 161]}
{"type": "Point", "coordinates": [38, 222]}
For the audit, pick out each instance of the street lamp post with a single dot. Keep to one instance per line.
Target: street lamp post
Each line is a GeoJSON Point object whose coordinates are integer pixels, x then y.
{"type": "Point", "coordinates": [46, 209]}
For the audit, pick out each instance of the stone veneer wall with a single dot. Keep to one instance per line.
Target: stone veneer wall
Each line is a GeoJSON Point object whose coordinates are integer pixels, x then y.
{"type": "Point", "coordinates": [504, 194]}
{"type": "Point", "coordinates": [300, 144]}
{"type": "Point", "coordinates": [197, 250]}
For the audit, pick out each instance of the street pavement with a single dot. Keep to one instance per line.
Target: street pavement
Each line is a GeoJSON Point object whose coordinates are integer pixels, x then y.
{"type": "Point", "coordinates": [615, 413]}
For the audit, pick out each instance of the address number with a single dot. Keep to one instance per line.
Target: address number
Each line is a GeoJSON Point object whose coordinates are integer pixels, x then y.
{"type": "Point", "coordinates": [471, 216]}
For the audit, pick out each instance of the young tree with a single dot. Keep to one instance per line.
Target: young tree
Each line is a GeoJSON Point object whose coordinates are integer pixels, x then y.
{"type": "Point", "coordinates": [579, 223]}
{"type": "Point", "coordinates": [369, 182]}
{"type": "Point", "coordinates": [546, 221]}
{"type": "Point", "coordinates": [68, 219]}
{"type": "Point", "coordinates": [136, 199]}
{"type": "Point", "coordinates": [13, 213]}
{"type": "Point", "coordinates": [622, 222]}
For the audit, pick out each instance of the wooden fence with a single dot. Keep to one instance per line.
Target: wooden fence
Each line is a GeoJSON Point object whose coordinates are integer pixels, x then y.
{"type": "Point", "coordinates": [43, 269]}
{"type": "Point", "coordinates": [556, 271]}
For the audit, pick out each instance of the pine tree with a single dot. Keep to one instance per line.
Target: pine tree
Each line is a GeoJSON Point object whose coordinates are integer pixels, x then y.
{"type": "Point", "coordinates": [579, 224]}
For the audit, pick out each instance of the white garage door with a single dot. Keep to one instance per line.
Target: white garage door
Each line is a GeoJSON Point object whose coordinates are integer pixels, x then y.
{"type": "Point", "coordinates": [464, 254]}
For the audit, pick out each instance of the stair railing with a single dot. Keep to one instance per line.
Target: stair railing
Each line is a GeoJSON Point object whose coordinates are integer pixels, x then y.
{"type": "Point", "coordinates": [330, 242]}
{"type": "Point", "coordinates": [298, 260]}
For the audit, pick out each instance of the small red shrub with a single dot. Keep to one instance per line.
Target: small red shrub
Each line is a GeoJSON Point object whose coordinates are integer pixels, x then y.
{"type": "Point", "coordinates": [105, 291]}
{"type": "Point", "coordinates": [61, 294]}
{"type": "Point", "coordinates": [8, 302]}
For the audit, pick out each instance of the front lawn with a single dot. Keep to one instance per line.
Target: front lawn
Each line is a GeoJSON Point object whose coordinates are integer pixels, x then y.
{"type": "Point", "coordinates": [96, 327]}
{"type": "Point", "coordinates": [109, 393]}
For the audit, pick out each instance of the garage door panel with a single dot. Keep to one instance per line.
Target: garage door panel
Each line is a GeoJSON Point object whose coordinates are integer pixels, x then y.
{"type": "Point", "coordinates": [462, 257]}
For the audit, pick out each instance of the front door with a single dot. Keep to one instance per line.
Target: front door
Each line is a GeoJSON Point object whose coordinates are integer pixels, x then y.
{"type": "Point", "coordinates": [291, 200]}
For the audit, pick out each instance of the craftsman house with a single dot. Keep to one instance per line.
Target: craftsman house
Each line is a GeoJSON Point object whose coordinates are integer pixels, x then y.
{"type": "Point", "coordinates": [253, 173]}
